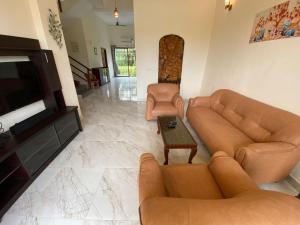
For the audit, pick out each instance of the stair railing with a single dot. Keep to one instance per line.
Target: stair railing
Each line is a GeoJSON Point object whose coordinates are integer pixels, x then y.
{"type": "Point", "coordinates": [83, 73]}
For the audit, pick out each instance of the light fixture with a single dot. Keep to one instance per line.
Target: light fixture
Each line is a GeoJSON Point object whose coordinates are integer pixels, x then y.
{"type": "Point", "coordinates": [116, 11]}
{"type": "Point", "coordinates": [228, 5]}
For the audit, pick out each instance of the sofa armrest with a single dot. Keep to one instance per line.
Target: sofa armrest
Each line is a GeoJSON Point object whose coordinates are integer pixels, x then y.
{"type": "Point", "coordinates": [179, 104]}
{"type": "Point", "coordinates": [258, 207]}
{"type": "Point", "coordinates": [229, 175]}
{"type": "Point", "coordinates": [150, 178]}
{"type": "Point", "coordinates": [200, 101]}
{"type": "Point", "coordinates": [268, 162]}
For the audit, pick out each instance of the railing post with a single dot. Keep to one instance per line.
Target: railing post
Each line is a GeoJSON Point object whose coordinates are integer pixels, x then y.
{"type": "Point", "coordinates": [89, 73]}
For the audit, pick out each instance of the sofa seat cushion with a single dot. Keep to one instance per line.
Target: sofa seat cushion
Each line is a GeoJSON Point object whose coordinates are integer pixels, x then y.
{"type": "Point", "coordinates": [216, 132]}
{"type": "Point", "coordinates": [192, 181]}
{"type": "Point", "coordinates": [164, 109]}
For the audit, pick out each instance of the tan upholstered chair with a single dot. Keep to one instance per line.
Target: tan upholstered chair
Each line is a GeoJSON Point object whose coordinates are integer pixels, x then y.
{"type": "Point", "coordinates": [220, 193]}
{"type": "Point", "coordinates": [164, 100]}
{"type": "Point", "coordinates": [265, 140]}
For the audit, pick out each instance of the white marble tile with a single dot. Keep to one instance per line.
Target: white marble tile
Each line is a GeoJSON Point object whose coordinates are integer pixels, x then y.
{"type": "Point", "coordinates": [104, 154]}
{"type": "Point", "coordinates": [117, 196]}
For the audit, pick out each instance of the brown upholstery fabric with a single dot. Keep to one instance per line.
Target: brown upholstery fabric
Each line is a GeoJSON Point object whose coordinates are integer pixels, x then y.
{"type": "Point", "coordinates": [164, 100]}
{"type": "Point", "coordinates": [228, 174]}
{"type": "Point", "coordinates": [217, 133]}
{"type": "Point", "coordinates": [231, 122]}
{"type": "Point", "coordinates": [243, 204]}
{"type": "Point", "coordinates": [198, 184]}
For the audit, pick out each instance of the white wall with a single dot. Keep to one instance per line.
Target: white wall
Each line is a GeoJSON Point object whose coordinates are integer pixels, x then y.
{"type": "Point", "coordinates": [90, 32]}
{"type": "Point", "coordinates": [267, 71]}
{"type": "Point", "coordinates": [121, 35]}
{"type": "Point", "coordinates": [96, 35]}
{"type": "Point", "coordinates": [28, 18]}
{"type": "Point", "coordinates": [41, 8]}
{"type": "Point", "coordinates": [192, 20]}
{"type": "Point", "coordinates": [74, 33]}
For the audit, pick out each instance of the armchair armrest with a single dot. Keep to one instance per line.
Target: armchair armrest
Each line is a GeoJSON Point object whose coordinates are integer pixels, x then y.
{"type": "Point", "coordinates": [179, 104]}
{"type": "Point", "coordinates": [268, 162]}
{"type": "Point", "coordinates": [150, 178]}
{"type": "Point", "coordinates": [257, 207]}
{"type": "Point", "coordinates": [150, 104]}
{"type": "Point", "coordinates": [200, 101]}
{"type": "Point", "coordinates": [229, 175]}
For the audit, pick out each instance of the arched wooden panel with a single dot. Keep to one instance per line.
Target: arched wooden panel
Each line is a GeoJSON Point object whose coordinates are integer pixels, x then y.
{"type": "Point", "coordinates": [171, 48]}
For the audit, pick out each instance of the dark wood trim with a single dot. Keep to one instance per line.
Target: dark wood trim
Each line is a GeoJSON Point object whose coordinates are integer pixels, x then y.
{"type": "Point", "coordinates": [18, 43]}
{"type": "Point", "coordinates": [79, 63]}
{"type": "Point", "coordinates": [77, 75]}
{"type": "Point", "coordinates": [75, 67]}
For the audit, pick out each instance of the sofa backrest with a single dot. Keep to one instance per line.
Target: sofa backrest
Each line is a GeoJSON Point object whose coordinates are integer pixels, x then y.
{"type": "Point", "coordinates": [259, 121]}
{"type": "Point", "coordinates": [163, 92]}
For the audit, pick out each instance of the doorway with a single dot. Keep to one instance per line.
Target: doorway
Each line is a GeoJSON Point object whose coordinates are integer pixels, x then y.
{"type": "Point", "coordinates": [125, 62]}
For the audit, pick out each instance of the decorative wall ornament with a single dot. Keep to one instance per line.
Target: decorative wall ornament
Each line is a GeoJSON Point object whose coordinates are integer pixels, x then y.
{"type": "Point", "coordinates": [55, 28]}
{"type": "Point", "coordinates": [280, 21]}
{"type": "Point", "coordinates": [171, 48]}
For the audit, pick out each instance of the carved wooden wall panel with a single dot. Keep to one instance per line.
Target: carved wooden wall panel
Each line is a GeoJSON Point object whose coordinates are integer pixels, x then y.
{"type": "Point", "coordinates": [171, 48]}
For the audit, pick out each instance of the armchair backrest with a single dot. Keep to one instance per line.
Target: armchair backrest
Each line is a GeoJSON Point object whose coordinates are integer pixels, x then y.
{"type": "Point", "coordinates": [163, 92]}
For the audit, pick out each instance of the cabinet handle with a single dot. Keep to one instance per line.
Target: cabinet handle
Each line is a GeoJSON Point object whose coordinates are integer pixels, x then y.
{"type": "Point", "coordinates": [46, 57]}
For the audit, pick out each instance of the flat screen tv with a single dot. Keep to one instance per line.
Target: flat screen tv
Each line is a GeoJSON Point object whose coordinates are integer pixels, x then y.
{"type": "Point", "coordinates": [19, 85]}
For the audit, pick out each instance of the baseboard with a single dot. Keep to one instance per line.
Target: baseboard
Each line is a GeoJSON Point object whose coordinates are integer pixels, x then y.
{"type": "Point", "coordinates": [294, 182]}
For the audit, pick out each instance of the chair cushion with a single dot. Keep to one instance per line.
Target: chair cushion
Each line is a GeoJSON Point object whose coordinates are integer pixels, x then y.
{"type": "Point", "coordinates": [190, 181]}
{"type": "Point", "coordinates": [217, 133]}
{"type": "Point", "coordinates": [164, 109]}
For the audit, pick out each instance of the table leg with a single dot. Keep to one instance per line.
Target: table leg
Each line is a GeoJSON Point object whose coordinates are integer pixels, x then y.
{"type": "Point", "coordinates": [158, 127]}
{"type": "Point", "coordinates": [166, 156]}
{"type": "Point", "coordinates": [192, 155]}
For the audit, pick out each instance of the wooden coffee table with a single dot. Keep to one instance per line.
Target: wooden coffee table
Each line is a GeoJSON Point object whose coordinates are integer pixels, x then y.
{"type": "Point", "coordinates": [177, 138]}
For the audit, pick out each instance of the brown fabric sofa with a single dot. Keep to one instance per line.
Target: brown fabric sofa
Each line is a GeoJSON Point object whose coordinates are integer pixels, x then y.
{"type": "Point", "coordinates": [164, 100]}
{"type": "Point", "coordinates": [220, 193]}
{"type": "Point", "coordinates": [265, 140]}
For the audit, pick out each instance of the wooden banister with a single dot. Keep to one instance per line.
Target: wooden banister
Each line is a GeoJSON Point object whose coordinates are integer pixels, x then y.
{"type": "Point", "coordinates": [87, 74]}
{"type": "Point", "coordinates": [81, 77]}
{"type": "Point", "coordinates": [79, 63]}
{"type": "Point", "coordinates": [78, 69]}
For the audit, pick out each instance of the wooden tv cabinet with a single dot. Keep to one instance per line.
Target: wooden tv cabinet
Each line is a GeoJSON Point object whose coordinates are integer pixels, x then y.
{"type": "Point", "coordinates": [24, 157]}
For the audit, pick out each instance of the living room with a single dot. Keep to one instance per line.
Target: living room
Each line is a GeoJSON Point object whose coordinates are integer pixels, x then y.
{"type": "Point", "coordinates": [216, 142]}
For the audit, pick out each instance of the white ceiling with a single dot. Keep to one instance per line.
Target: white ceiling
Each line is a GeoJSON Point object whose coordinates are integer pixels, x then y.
{"type": "Point", "coordinates": [103, 8]}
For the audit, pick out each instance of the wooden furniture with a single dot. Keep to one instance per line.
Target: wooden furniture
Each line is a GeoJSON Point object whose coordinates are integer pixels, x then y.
{"type": "Point", "coordinates": [26, 155]}
{"type": "Point", "coordinates": [175, 138]}
{"type": "Point", "coordinates": [171, 49]}
{"type": "Point", "coordinates": [102, 74]}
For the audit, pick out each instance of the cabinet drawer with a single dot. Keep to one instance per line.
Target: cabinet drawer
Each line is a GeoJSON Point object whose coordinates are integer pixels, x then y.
{"type": "Point", "coordinates": [34, 163]}
{"type": "Point", "coordinates": [68, 131]}
{"type": "Point", "coordinates": [36, 143]}
{"type": "Point", "coordinates": [65, 121]}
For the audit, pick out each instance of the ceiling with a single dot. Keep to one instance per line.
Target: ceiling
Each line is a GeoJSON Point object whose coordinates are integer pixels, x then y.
{"type": "Point", "coordinates": [103, 8]}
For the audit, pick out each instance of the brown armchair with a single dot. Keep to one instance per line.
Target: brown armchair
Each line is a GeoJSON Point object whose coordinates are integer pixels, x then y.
{"type": "Point", "coordinates": [164, 100]}
{"type": "Point", "coordinates": [220, 193]}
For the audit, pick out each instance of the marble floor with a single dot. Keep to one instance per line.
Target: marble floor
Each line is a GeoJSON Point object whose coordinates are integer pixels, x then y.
{"type": "Point", "coordinates": [94, 180]}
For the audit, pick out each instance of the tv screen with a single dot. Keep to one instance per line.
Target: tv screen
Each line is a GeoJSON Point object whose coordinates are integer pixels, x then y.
{"type": "Point", "coordinates": [19, 85]}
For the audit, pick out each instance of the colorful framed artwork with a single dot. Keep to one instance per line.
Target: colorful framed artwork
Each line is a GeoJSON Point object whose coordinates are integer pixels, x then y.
{"type": "Point", "coordinates": [278, 22]}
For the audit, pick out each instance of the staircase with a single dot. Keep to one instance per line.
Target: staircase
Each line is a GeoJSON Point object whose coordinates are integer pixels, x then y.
{"type": "Point", "coordinates": [82, 77]}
